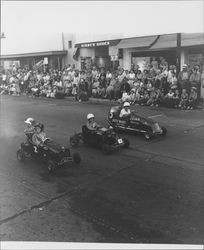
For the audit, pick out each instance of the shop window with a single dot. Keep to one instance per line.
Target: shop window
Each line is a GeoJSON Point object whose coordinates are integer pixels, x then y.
{"type": "Point", "coordinates": [70, 44]}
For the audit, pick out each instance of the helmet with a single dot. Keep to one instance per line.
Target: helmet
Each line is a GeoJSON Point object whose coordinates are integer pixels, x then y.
{"type": "Point", "coordinates": [89, 116]}
{"type": "Point", "coordinates": [30, 121]}
{"type": "Point", "coordinates": [126, 104]}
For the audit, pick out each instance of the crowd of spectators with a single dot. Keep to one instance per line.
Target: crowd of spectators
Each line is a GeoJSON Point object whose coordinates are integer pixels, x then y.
{"type": "Point", "coordinates": [156, 85]}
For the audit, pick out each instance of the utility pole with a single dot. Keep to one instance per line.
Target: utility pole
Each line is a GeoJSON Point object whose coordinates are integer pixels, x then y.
{"type": "Point", "coordinates": [2, 35]}
{"type": "Point", "coordinates": [178, 53]}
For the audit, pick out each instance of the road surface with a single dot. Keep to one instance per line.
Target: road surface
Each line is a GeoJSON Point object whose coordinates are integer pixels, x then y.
{"type": "Point", "coordinates": [150, 193]}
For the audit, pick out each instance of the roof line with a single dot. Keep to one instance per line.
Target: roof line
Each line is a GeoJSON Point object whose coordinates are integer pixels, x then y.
{"type": "Point", "coordinates": [140, 37]}
{"type": "Point", "coordinates": [51, 52]}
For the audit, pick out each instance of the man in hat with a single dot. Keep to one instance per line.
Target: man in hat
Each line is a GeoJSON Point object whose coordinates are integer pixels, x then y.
{"type": "Point", "coordinates": [183, 78]}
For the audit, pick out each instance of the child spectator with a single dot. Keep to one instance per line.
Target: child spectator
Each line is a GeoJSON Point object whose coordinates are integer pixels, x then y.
{"type": "Point", "coordinates": [168, 99]}
{"type": "Point", "coordinates": [176, 98]}
{"type": "Point", "coordinates": [110, 88]}
{"type": "Point", "coordinates": [153, 97]}
{"type": "Point", "coordinates": [125, 97]}
{"type": "Point", "coordinates": [132, 96]}
{"type": "Point", "coordinates": [184, 99]}
{"type": "Point", "coordinates": [144, 98]}
{"type": "Point", "coordinates": [95, 87]}
{"type": "Point", "coordinates": [192, 100]}
{"type": "Point", "coordinates": [102, 86]}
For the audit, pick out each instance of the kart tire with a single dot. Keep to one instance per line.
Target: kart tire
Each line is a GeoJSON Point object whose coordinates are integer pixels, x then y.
{"type": "Point", "coordinates": [21, 155]}
{"type": "Point", "coordinates": [126, 143]}
{"type": "Point", "coordinates": [106, 149]}
{"type": "Point", "coordinates": [164, 131]}
{"type": "Point", "coordinates": [74, 141]}
{"type": "Point", "coordinates": [148, 136]}
{"type": "Point", "coordinates": [76, 158]}
{"type": "Point", "coordinates": [51, 166]}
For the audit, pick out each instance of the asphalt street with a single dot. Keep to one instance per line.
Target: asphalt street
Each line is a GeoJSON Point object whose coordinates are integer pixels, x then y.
{"type": "Point", "coordinates": [150, 193]}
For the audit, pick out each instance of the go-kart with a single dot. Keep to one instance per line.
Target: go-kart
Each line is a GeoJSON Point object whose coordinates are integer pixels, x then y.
{"type": "Point", "coordinates": [105, 139]}
{"type": "Point", "coordinates": [135, 123]}
{"type": "Point", "coordinates": [51, 153]}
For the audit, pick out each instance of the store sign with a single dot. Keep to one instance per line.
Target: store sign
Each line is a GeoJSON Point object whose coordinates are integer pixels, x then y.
{"type": "Point", "coordinates": [88, 45]}
{"type": "Point", "coordinates": [45, 61]}
{"type": "Point", "coordinates": [98, 44]}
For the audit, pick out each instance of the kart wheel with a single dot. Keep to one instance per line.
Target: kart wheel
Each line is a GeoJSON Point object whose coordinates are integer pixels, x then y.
{"type": "Point", "coordinates": [21, 155]}
{"type": "Point", "coordinates": [51, 166]}
{"type": "Point", "coordinates": [74, 141]}
{"type": "Point", "coordinates": [148, 136]}
{"type": "Point", "coordinates": [164, 131]}
{"type": "Point", "coordinates": [126, 143]}
{"type": "Point", "coordinates": [76, 158]}
{"type": "Point", "coordinates": [106, 149]}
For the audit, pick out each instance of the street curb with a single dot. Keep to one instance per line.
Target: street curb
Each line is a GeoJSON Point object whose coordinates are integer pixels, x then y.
{"type": "Point", "coordinates": [95, 100]}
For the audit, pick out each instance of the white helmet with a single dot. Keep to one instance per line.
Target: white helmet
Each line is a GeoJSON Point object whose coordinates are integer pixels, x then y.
{"type": "Point", "coordinates": [30, 121]}
{"type": "Point", "coordinates": [89, 116]}
{"type": "Point", "coordinates": [126, 104]}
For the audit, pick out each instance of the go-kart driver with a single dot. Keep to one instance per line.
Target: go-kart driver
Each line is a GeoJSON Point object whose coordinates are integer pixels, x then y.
{"type": "Point", "coordinates": [39, 136]}
{"type": "Point", "coordinates": [125, 112]}
{"type": "Point", "coordinates": [30, 126]}
{"type": "Point", "coordinates": [30, 129]}
{"type": "Point", "coordinates": [91, 124]}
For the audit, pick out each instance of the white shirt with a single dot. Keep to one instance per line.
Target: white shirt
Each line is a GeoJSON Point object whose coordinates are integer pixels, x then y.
{"type": "Point", "coordinates": [123, 112]}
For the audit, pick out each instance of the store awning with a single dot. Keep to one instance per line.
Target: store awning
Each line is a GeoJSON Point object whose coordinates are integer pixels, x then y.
{"type": "Point", "coordinates": [137, 42]}
{"type": "Point", "coordinates": [165, 42]}
{"type": "Point", "coordinates": [38, 54]}
{"type": "Point", "coordinates": [188, 39]}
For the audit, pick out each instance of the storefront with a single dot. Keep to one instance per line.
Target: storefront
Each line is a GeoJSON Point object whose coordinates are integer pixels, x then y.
{"type": "Point", "coordinates": [143, 50]}
{"type": "Point", "coordinates": [100, 54]}
{"type": "Point", "coordinates": [50, 59]}
{"type": "Point", "coordinates": [193, 49]}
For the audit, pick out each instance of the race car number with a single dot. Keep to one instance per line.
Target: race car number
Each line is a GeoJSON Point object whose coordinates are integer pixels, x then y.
{"type": "Point", "coordinates": [120, 141]}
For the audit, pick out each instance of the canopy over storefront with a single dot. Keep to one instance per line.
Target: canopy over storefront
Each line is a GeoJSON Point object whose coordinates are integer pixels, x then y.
{"type": "Point", "coordinates": [192, 39]}
{"type": "Point", "coordinates": [137, 42]}
{"type": "Point", "coordinates": [36, 54]}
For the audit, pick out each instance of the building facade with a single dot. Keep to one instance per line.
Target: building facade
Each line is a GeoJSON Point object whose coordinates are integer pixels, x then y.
{"type": "Point", "coordinates": [141, 50]}
{"type": "Point", "coordinates": [188, 49]}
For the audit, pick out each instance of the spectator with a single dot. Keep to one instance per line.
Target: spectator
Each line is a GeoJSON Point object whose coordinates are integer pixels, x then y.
{"type": "Point", "coordinates": [154, 63]}
{"type": "Point", "coordinates": [184, 99]}
{"type": "Point", "coordinates": [102, 86]}
{"type": "Point", "coordinates": [183, 78]}
{"type": "Point", "coordinates": [156, 85]}
{"type": "Point", "coordinates": [195, 80]}
{"type": "Point", "coordinates": [192, 100]}
{"type": "Point", "coordinates": [110, 88]}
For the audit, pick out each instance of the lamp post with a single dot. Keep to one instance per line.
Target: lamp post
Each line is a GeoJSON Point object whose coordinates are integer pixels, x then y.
{"type": "Point", "coordinates": [178, 53]}
{"type": "Point", "coordinates": [2, 35]}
